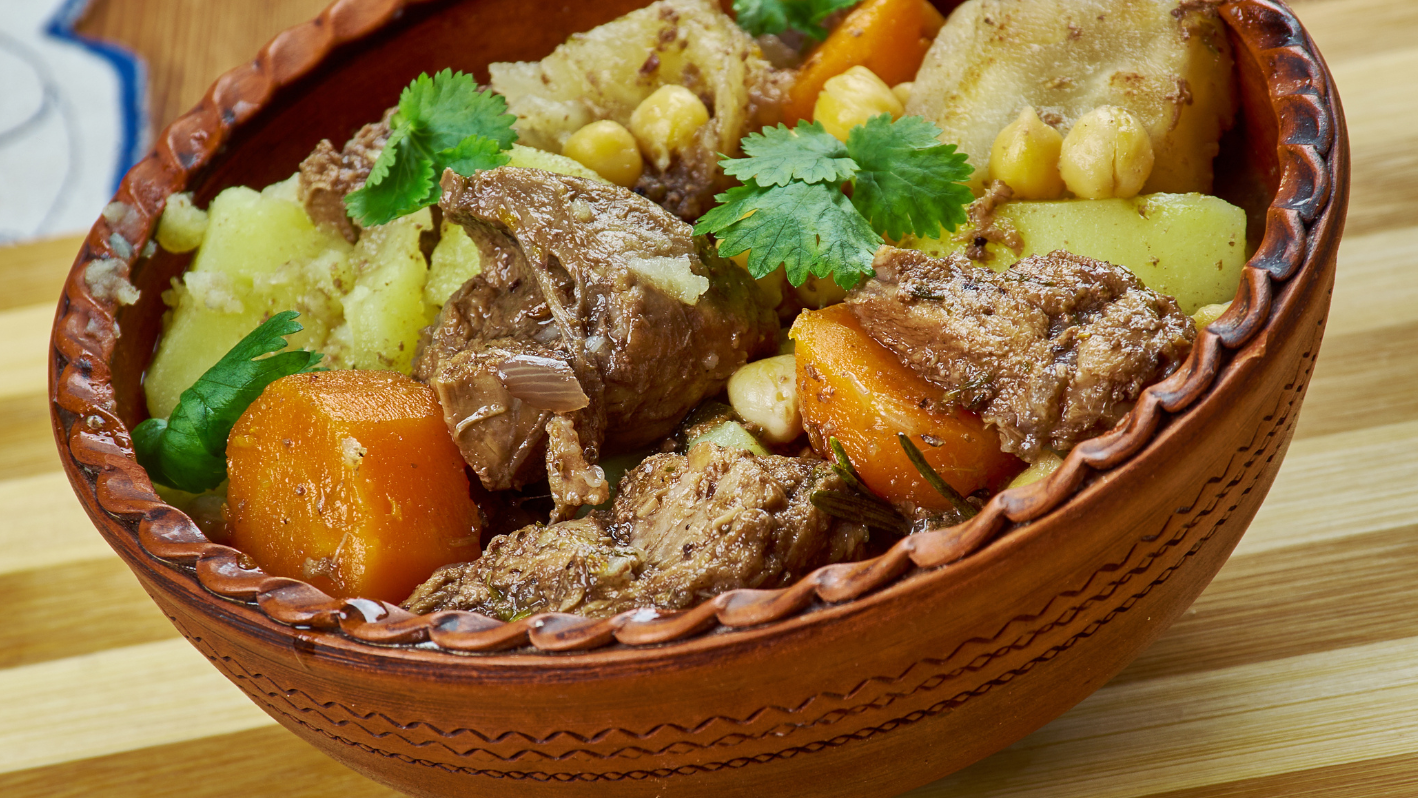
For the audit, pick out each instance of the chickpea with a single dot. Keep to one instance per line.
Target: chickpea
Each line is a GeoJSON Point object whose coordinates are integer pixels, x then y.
{"type": "Point", "coordinates": [609, 150]}
{"type": "Point", "coordinates": [765, 393]}
{"type": "Point", "coordinates": [852, 98]}
{"type": "Point", "coordinates": [819, 292]}
{"type": "Point", "coordinates": [1107, 154]}
{"type": "Point", "coordinates": [666, 121]}
{"type": "Point", "coordinates": [903, 91]}
{"type": "Point", "coordinates": [1026, 157]}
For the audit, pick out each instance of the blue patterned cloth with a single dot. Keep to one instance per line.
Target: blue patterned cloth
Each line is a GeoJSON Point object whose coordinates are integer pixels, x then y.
{"type": "Point", "coordinates": [73, 120]}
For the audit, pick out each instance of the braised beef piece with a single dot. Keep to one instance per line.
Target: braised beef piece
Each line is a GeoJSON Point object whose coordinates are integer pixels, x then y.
{"type": "Point", "coordinates": [327, 175]}
{"type": "Point", "coordinates": [1052, 351]}
{"type": "Point", "coordinates": [683, 528]}
{"type": "Point", "coordinates": [573, 318]}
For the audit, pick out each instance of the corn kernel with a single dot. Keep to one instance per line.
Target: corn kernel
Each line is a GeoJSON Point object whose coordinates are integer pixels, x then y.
{"type": "Point", "coordinates": [666, 121]}
{"type": "Point", "coordinates": [817, 293]}
{"type": "Point", "coordinates": [1026, 157]}
{"type": "Point", "coordinates": [903, 91]}
{"type": "Point", "coordinates": [852, 98]}
{"type": "Point", "coordinates": [609, 150]}
{"type": "Point", "coordinates": [1106, 154]}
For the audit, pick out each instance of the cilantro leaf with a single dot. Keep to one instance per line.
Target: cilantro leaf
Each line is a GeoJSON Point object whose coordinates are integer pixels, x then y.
{"type": "Point", "coordinates": [188, 449]}
{"type": "Point", "coordinates": [443, 122]}
{"type": "Point", "coordinates": [779, 155]}
{"type": "Point", "coordinates": [474, 154]}
{"type": "Point", "coordinates": [775, 16]}
{"type": "Point", "coordinates": [397, 185]}
{"type": "Point", "coordinates": [769, 222]}
{"type": "Point", "coordinates": [908, 181]}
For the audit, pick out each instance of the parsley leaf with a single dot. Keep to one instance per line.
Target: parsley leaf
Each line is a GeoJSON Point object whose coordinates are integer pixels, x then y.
{"type": "Point", "coordinates": [909, 182]}
{"type": "Point", "coordinates": [768, 221]}
{"type": "Point", "coordinates": [443, 122]}
{"type": "Point", "coordinates": [188, 449]}
{"type": "Point", "coordinates": [775, 16]}
{"type": "Point", "coordinates": [790, 209]}
{"type": "Point", "coordinates": [779, 155]}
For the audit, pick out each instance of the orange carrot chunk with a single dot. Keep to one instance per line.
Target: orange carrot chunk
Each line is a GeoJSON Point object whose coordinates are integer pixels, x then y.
{"type": "Point", "coordinates": [350, 481]}
{"type": "Point", "coordinates": [852, 388]}
{"type": "Point", "coordinates": [889, 37]}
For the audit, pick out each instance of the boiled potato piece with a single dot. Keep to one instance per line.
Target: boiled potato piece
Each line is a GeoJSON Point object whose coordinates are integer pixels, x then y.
{"type": "Point", "coordinates": [606, 72]}
{"type": "Point", "coordinates": [1189, 246]}
{"type": "Point", "coordinates": [385, 311]}
{"type": "Point", "coordinates": [1067, 57]}
{"type": "Point", "coordinates": [260, 255]}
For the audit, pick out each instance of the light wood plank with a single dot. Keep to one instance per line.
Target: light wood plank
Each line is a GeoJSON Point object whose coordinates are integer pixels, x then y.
{"type": "Point", "coordinates": [1194, 730]}
{"type": "Point", "coordinates": [269, 761]}
{"type": "Point", "coordinates": [1383, 137]}
{"type": "Point", "coordinates": [1363, 380]}
{"type": "Point", "coordinates": [26, 437]}
{"type": "Point", "coordinates": [34, 273]}
{"type": "Point", "coordinates": [1385, 777]}
{"type": "Point", "coordinates": [1285, 602]}
{"type": "Point", "coordinates": [1376, 283]}
{"type": "Point", "coordinates": [1335, 486]}
{"type": "Point", "coordinates": [74, 609]}
{"type": "Point", "coordinates": [47, 526]}
{"type": "Point", "coordinates": [122, 699]}
{"type": "Point", "coordinates": [24, 359]}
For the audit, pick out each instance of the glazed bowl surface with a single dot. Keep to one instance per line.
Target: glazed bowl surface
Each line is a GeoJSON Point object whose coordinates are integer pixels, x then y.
{"type": "Point", "coordinates": [862, 679]}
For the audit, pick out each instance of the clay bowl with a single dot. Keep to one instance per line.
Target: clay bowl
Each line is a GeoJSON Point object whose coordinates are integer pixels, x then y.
{"type": "Point", "coordinates": [863, 679]}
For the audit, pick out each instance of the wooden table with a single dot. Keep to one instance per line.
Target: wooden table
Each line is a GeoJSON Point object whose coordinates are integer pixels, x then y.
{"type": "Point", "coordinates": [1294, 674]}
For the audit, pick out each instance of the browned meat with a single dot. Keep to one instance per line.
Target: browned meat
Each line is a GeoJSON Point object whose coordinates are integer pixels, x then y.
{"type": "Point", "coordinates": [567, 567]}
{"type": "Point", "coordinates": [575, 278]}
{"type": "Point", "coordinates": [1052, 351]}
{"type": "Point", "coordinates": [327, 175]}
{"type": "Point", "coordinates": [684, 528]}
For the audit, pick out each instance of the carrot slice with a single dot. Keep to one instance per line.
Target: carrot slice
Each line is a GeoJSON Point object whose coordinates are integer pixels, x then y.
{"type": "Point", "coordinates": [852, 388]}
{"type": "Point", "coordinates": [889, 37]}
{"type": "Point", "coordinates": [350, 481]}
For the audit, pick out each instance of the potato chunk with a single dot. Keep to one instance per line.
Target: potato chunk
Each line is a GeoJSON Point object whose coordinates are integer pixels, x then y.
{"type": "Point", "coordinates": [1067, 57]}
{"type": "Point", "coordinates": [1188, 246]}
{"type": "Point", "coordinates": [348, 480]}
{"type": "Point", "coordinates": [260, 255]}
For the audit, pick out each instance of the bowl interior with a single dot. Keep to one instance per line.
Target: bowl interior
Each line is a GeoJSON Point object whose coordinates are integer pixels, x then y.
{"type": "Point", "coordinates": [359, 80]}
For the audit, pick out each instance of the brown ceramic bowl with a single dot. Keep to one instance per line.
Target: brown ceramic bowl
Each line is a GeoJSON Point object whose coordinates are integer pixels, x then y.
{"type": "Point", "coordinates": [863, 679]}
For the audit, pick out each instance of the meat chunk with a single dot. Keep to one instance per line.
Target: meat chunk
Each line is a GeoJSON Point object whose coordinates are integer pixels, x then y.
{"type": "Point", "coordinates": [606, 72]}
{"type": "Point", "coordinates": [683, 529]}
{"type": "Point", "coordinates": [619, 320]}
{"type": "Point", "coordinates": [327, 175]}
{"type": "Point", "coordinates": [1052, 351]}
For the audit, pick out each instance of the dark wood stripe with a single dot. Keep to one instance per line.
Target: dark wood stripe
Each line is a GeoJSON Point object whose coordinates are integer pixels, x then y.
{"type": "Point", "coordinates": [240, 765]}
{"type": "Point", "coordinates": [1388, 777]}
{"type": "Point", "coordinates": [25, 437]}
{"type": "Point", "coordinates": [1357, 382]}
{"type": "Point", "coordinates": [33, 274]}
{"type": "Point", "coordinates": [79, 608]}
{"type": "Point", "coordinates": [1293, 601]}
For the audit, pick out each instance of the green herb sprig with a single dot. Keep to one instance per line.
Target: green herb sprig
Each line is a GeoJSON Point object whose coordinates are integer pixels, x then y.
{"type": "Point", "coordinates": [775, 16]}
{"type": "Point", "coordinates": [188, 449]}
{"type": "Point", "coordinates": [443, 122]}
{"type": "Point", "coordinates": [791, 209]}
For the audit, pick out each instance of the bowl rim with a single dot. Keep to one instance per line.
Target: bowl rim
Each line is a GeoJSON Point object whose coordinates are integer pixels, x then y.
{"type": "Point", "coordinates": [97, 451]}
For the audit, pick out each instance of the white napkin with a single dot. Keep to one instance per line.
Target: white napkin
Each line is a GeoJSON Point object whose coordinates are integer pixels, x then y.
{"type": "Point", "coordinates": [73, 120]}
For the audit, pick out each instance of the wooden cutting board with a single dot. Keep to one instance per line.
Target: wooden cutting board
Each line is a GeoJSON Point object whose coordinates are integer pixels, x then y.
{"type": "Point", "coordinates": [1294, 674]}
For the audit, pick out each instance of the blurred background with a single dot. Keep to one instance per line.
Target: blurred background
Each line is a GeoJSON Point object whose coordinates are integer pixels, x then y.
{"type": "Point", "coordinates": [1295, 673]}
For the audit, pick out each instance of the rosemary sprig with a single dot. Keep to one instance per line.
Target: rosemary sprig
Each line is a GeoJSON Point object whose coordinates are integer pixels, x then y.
{"type": "Point", "coordinates": [844, 468]}
{"type": "Point", "coordinates": [855, 508]}
{"type": "Point", "coordinates": [933, 479]}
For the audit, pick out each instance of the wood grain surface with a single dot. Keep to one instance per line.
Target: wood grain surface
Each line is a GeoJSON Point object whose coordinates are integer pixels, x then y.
{"type": "Point", "coordinates": [1294, 674]}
